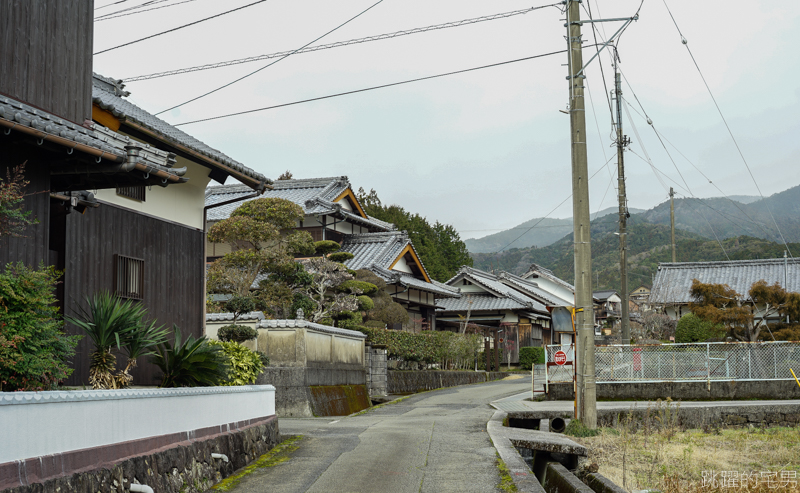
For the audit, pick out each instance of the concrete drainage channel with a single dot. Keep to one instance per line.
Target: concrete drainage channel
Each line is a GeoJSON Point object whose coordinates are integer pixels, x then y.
{"type": "Point", "coordinates": [544, 461]}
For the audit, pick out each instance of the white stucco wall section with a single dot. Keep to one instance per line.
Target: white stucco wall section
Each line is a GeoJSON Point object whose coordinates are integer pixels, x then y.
{"type": "Point", "coordinates": [181, 203]}
{"type": "Point", "coordinates": [43, 423]}
{"type": "Point", "coordinates": [402, 266]}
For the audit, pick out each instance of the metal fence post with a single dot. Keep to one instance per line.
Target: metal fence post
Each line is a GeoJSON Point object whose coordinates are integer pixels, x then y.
{"type": "Point", "coordinates": [749, 362]}
{"type": "Point", "coordinates": [708, 363]}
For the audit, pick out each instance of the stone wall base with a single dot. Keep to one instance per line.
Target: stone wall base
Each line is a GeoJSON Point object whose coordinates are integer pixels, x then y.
{"type": "Point", "coordinates": [294, 397]}
{"type": "Point", "coordinates": [410, 382]}
{"type": "Point", "coordinates": [185, 467]}
{"type": "Point", "coordinates": [717, 390]}
{"type": "Point", "coordinates": [339, 400]}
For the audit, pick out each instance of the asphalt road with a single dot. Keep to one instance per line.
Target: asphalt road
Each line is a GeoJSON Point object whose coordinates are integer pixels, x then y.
{"type": "Point", "coordinates": [430, 442]}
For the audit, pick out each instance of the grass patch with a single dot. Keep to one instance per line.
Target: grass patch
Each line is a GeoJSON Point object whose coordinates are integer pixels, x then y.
{"type": "Point", "coordinates": [576, 428]}
{"type": "Point", "coordinates": [506, 483]}
{"type": "Point", "coordinates": [279, 453]}
{"type": "Point", "coordinates": [657, 454]}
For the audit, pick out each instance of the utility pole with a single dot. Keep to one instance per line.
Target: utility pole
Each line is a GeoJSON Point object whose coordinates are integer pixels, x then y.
{"type": "Point", "coordinates": [584, 312]}
{"type": "Point", "coordinates": [672, 221]}
{"type": "Point", "coordinates": [622, 141]}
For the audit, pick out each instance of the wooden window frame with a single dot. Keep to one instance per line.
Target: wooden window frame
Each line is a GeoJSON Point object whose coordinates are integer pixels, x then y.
{"type": "Point", "coordinates": [128, 277]}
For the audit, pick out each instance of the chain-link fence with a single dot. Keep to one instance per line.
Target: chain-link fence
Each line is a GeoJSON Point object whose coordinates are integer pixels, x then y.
{"type": "Point", "coordinates": [686, 362]}
{"type": "Point", "coordinates": [560, 372]}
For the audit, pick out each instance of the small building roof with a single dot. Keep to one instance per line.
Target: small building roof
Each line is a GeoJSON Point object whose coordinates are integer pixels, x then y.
{"type": "Point", "coordinates": [317, 196]}
{"type": "Point", "coordinates": [530, 288]}
{"type": "Point", "coordinates": [536, 270]}
{"type": "Point", "coordinates": [499, 295]}
{"type": "Point", "coordinates": [673, 281]}
{"type": "Point", "coordinates": [108, 145]}
{"type": "Point", "coordinates": [603, 295]}
{"type": "Point", "coordinates": [108, 94]}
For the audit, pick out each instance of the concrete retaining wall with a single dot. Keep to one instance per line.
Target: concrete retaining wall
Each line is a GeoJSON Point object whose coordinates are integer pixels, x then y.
{"type": "Point", "coordinates": [185, 466]}
{"type": "Point", "coordinates": [409, 382]}
{"type": "Point", "coordinates": [304, 355]}
{"type": "Point", "coordinates": [728, 390]}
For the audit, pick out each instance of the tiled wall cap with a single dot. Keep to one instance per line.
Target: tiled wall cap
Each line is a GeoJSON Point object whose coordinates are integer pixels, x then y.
{"type": "Point", "coordinates": [12, 398]}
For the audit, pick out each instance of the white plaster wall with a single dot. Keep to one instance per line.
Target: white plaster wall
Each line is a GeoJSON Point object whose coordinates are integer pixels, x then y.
{"type": "Point", "coordinates": [181, 203]}
{"type": "Point", "coordinates": [556, 289]}
{"type": "Point", "coordinates": [43, 423]}
{"type": "Point", "coordinates": [345, 203]}
{"type": "Point", "coordinates": [319, 347]}
{"type": "Point", "coordinates": [510, 317]}
{"type": "Point", "coordinates": [402, 266]}
{"type": "Point", "coordinates": [469, 288]}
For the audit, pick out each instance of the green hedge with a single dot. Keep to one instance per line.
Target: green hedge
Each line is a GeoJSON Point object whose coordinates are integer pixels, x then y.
{"type": "Point", "coordinates": [448, 349]}
{"type": "Point", "coordinates": [692, 328]}
{"type": "Point", "coordinates": [529, 356]}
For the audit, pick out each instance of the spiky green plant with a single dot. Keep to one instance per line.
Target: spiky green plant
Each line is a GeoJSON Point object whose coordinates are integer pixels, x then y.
{"type": "Point", "coordinates": [107, 320]}
{"type": "Point", "coordinates": [140, 342]}
{"type": "Point", "coordinates": [190, 363]}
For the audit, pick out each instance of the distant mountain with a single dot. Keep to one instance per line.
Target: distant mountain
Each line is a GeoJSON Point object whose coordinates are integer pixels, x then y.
{"type": "Point", "coordinates": [648, 244]}
{"type": "Point", "coordinates": [745, 199]}
{"type": "Point", "coordinates": [545, 232]}
{"type": "Point", "coordinates": [724, 218]}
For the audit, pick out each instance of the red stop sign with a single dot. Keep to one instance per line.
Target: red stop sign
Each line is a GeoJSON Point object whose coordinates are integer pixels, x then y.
{"type": "Point", "coordinates": [560, 357]}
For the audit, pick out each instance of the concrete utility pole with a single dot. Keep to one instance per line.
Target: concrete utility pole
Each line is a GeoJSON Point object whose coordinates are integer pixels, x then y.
{"type": "Point", "coordinates": [584, 313]}
{"type": "Point", "coordinates": [672, 221]}
{"type": "Point", "coordinates": [622, 141]}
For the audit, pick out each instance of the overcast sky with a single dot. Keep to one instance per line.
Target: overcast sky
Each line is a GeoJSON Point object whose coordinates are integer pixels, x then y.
{"type": "Point", "coordinates": [484, 150]}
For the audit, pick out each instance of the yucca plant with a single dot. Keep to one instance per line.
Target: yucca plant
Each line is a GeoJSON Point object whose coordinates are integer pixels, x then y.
{"type": "Point", "coordinates": [107, 321]}
{"type": "Point", "coordinates": [190, 363]}
{"type": "Point", "coordinates": [137, 343]}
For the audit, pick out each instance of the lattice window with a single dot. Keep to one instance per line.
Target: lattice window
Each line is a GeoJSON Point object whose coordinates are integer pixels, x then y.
{"type": "Point", "coordinates": [128, 277]}
{"type": "Point", "coordinates": [135, 193]}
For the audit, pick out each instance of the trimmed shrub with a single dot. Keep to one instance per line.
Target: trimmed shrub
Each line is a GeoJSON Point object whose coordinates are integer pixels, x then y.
{"type": "Point", "coordinates": [348, 320]}
{"type": "Point", "coordinates": [33, 349]}
{"type": "Point", "coordinates": [325, 247]}
{"type": "Point", "coordinates": [692, 328]}
{"type": "Point", "coordinates": [245, 364]}
{"type": "Point", "coordinates": [366, 288]}
{"type": "Point", "coordinates": [240, 304]}
{"type": "Point", "coordinates": [365, 303]}
{"type": "Point", "coordinates": [448, 349]}
{"type": "Point", "coordinates": [190, 363]}
{"type": "Point", "coordinates": [236, 333]}
{"type": "Point", "coordinates": [529, 356]}
{"type": "Point", "coordinates": [340, 256]}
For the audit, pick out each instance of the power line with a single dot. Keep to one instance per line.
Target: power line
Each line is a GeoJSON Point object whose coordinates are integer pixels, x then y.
{"type": "Point", "coordinates": [369, 88]}
{"type": "Point", "coordinates": [181, 27]}
{"type": "Point", "coordinates": [273, 63]}
{"type": "Point", "coordinates": [121, 13]}
{"type": "Point", "coordinates": [552, 211]}
{"type": "Point", "coordinates": [730, 132]}
{"type": "Point", "coordinates": [309, 49]}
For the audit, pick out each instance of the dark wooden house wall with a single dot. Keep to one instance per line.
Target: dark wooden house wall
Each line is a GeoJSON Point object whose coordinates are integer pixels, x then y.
{"type": "Point", "coordinates": [46, 55]}
{"type": "Point", "coordinates": [173, 273]}
{"type": "Point", "coordinates": [32, 247]}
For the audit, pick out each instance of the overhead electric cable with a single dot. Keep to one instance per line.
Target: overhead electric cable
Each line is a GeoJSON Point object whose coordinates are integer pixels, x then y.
{"type": "Point", "coordinates": [127, 9]}
{"type": "Point", "coordinates": [273, 63]}
{"type": "Point", "coordinates": [552, 211]}
{"type": "Point", "coordinates": [309, 49]}
{"type": "Point", "coordinates": [125, 12]}
{"type": "Point", "coordinates": [730, 132]}
{"type": "Point", "coordinates": [369, 88]}
{"type": "Point", "coordinates": [181, 27]}
{"type": "Point", "coordinates": [661, 139]}
{"type": "Point", "coordinates": [110, 4]}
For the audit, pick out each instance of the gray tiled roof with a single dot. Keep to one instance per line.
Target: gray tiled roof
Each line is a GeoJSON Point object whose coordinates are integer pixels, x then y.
{"type": "Point", "coordinates": [314, 195]}
{"type": "Point", "coordinates": [409, 281]}
{"type": "Point", "coordinates": [530, 288]}
{"type": "Point", "coordinates": [674, 280]}
{"type": "Point", "coordinates": [305, 324]}
{"type": "Point", "coordinates": [374, 249]}
{"type": "Point", "coordinates": [228, 317]}
{"type": "Point", "coordinates": [108, 94]}
{"type": "Point", "coordinates": [538, 270]}
{"type": "Point", "coordinates": [603, 295]}
{"type": "Point", "coordinates": [497, 289]}
{"type": "Point", "coordinates": [479, 303]}
{"type": "Point", "coordinates": [111, 143]}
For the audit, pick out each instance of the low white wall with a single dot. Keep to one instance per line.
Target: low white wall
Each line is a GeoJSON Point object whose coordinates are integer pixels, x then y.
{"type": "Point", "coordinates": [43, 423]}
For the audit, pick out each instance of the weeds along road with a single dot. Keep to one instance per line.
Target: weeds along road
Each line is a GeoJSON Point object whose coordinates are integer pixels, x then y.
{"type": "Point", "coordinates": [430, 442]}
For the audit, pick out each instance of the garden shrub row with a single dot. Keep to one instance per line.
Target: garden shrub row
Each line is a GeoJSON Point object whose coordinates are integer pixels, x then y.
{"type": "Point", "coordinates": [448, 349]}
{"type": "Point", "coordinates": [529, 356]}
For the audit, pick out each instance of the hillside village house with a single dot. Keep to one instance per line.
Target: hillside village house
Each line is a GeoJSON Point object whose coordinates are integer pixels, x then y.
{"type": "Point", "coordinates": [503, 301]}
{"type": "Point", "coordinates": [118, 194]}
{"type": "Point", "coordinates": [332, 212]}
{"type": "Point", "coordinates": [671, 291]}
{"type": "Point", "coordinates": [607, 308]}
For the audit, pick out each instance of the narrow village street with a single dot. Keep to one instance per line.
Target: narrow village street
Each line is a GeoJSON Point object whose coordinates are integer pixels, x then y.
{"type": "Point", "coordinates": [430, 442]}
